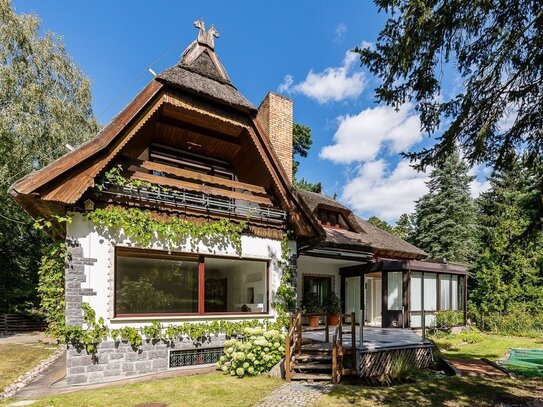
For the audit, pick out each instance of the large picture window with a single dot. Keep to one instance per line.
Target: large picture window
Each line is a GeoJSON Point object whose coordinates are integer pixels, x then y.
{"type": "Point", "coordinates": [150, 282]}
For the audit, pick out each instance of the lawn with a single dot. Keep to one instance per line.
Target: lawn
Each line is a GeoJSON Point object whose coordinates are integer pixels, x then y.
{"type": "Point", "coordinates": [451, 391]}
{"type": "Point", "coordinates": [213, 389]}
{"type": "Point", "coordinates": [16, 359]}
{"type": "Point", "coordinates": [492, 347]}
{"type": "Point", "coordinates": [445, 391]}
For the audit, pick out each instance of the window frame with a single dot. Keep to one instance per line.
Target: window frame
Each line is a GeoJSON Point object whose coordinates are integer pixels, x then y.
{"type": "Point", "coordinates": [200, 258]}
{"type": "Point", "coordinates": [329, 212]}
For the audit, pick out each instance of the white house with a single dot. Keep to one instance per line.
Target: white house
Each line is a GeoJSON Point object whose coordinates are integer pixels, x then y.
{"type": "Point", "coordinates": [191, 149]}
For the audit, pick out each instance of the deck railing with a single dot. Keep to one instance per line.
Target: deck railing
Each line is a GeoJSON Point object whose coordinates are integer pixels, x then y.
{"type": "Point", "coordinates": [293, 343]}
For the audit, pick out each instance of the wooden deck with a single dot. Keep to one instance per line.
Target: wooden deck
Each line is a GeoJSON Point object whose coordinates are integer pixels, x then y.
{"type": "Point", "coordinates": [374, 338]}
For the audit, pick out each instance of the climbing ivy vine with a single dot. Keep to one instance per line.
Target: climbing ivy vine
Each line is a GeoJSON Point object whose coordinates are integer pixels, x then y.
{"type": "Point", "coordinates": [286, 292]}
{"type": "Point", "coordinates": [51, 287]}
{"type": "Point", "coordinates": [96, 331]}
{"type": "Point", "coordinates": [143, 227]}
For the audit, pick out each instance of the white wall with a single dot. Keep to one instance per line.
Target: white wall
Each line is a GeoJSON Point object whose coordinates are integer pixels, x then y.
{"type": "Point", "coordinates": [100, 276]}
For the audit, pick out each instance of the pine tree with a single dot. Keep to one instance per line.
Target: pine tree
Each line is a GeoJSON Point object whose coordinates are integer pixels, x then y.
{"type": "Point", "coordinates": [509, 268]}
{"type": "Point", "coordinates": [444, 219]}
{"type": "Point", "coordinates": [404, 227]}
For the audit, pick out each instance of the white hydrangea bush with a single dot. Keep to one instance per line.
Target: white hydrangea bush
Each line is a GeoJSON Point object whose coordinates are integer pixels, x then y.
{"type": "Point", "coordinates": [256, 353]}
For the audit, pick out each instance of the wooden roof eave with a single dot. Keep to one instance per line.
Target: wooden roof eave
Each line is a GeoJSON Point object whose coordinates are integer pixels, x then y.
{"type": "Point", "coordinates": [32, 182]}
{"type": "Point", "coordinates": [37, 209]}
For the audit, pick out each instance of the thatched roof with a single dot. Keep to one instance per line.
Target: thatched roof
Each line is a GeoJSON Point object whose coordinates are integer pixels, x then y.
{"type": "Point", "coordinates": [364, 236]}
{"type": "Point", "coordinates": [200, 72]}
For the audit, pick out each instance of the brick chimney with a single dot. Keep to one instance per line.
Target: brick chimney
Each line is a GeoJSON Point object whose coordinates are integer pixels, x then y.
{"type": "Point", "coordinates": [275, 116]}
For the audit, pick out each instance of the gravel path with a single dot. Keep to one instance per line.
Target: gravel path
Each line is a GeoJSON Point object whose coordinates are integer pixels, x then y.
{"type": "Point", "coordinates": [30, 337]}
{"type": "Point", "coordinates": [295, 395]}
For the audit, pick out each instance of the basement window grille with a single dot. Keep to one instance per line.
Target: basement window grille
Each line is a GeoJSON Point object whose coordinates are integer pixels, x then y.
{"type": "Point", "coordinates": [194, 357]}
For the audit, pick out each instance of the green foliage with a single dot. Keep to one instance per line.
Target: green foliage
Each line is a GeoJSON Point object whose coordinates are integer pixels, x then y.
{"type": "Point", "coordinates": [508, 268]}
{"type": "Point", "coordinates": [449, 319]}
{"type": "Point", "coordinates": [516, 321]}
{"type": "Point", "coordinates": [45, 103]}
{"type": "Point", "coordinates": [311, 303]}
{"type": "Point", "coordinates": [307, 186]}
{"type": "Point", "coordinates": [404, 227]}
{"type": "Point", "coordinates": [90, 337]}
{"type": "Point", "coordinates": [492, 46]}
{"type": "Point", "coordinates": [449, 341]}
{"type": "Point", "coordinates": [445, 217]}
{"type": "Point", "coordinates": [402, 370]}
{"type": "Point", "coordinates": [301, 143]}
{"type": "Point", "coordinates": [286, 293]}
{"type": "Point", "coordinates": [381, 224]}
{"type": "Point", "coordinates": [332, 305]}
{"type": "Point", "coordinates": [51, 287]}
{"type": "Point", "coordinates": [199, 332]}
{"type": "Point", "coordinates": [256, 353]}
{"type": "Point", "coordinates": [142, 228]}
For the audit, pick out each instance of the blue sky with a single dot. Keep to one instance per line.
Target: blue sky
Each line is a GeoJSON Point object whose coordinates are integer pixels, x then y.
{"type": "Point", "coordinates": [300, 49]}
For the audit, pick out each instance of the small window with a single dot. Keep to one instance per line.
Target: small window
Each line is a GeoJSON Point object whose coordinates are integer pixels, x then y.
{"type": "Point", "coordinates": [332, 219]}
{"type": "Point", "coordinates": [194, 357]}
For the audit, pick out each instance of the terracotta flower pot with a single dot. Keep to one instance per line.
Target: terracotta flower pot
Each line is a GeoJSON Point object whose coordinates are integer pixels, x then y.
{"type": "Point", "coordinates": [314, 320]}
{"type": "Point", "coordinates": [332, 319]}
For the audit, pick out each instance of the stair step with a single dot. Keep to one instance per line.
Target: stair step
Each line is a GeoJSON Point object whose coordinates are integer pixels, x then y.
{"type": "Point", "coordinates": [312, 358]}
{"type": "Point", "coordinates": [313, 366]}
{"type": "Point", "coordinates": [311, 376]}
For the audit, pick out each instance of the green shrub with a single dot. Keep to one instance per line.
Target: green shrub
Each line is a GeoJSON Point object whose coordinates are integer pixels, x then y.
{"type": "Point", "coordinates": [515, 321]}
{"type": "Point", "coordinates": [449, 319]}
{"type": "Point", "coordinates": [448, 342]}
{"type": "Point", "coordinates": [470, 336]}
{"type": "Point", "coordinates": [256, 353]}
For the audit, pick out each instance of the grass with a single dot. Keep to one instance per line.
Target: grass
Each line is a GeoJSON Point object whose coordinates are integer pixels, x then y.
{"type": "Point", "coordinates": [491, 347]}
{"type": "Point", "coordinates": [440, 391]}
{"type": "Point", "coordinates": [16, 359]}
{"type": "Point", "coordinates": [213, 389]}
{"type": "Point", "coordinates": [451, 391]}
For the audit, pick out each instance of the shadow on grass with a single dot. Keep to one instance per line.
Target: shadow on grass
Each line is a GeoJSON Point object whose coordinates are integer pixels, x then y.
{"type": "Point", "coordinates": [450, 391]}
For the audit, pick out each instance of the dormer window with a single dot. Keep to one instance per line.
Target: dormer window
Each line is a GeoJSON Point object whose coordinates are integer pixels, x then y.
{"type": "Point", "coordinates": [332, 219]}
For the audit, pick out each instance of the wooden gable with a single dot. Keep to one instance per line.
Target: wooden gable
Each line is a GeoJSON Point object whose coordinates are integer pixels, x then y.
{"type": "Point", "coordinates": [163, 115]}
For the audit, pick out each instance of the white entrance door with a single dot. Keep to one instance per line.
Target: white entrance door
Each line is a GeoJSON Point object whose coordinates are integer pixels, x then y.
{"type": "Point", "coordinates": [352, 296]}
{"type": "Point", "coordinates": [373, 300]}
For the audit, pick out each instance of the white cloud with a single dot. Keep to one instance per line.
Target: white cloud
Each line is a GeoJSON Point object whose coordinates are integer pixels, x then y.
{"type": "Point", "coordinates": [480, 184]}
{"type": "Point", "coordinates": [388, 194]}
{"type": "Point", "coordinates": [287, 82]}
{"type": "Point", "coordinates": [333, 84]}
{"type": "Point", "coordinates": [361, 137]}
{"type": "Point", "coordinates": [384, 193]}
{"type": "Point", "coordinates": [340, 31]}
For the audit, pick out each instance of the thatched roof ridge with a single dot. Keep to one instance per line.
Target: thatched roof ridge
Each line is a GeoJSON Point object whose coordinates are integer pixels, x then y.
{"type": "Point", "coordinates": [200, 72]}
{"type": "Point", "coordinates": [364, 236]}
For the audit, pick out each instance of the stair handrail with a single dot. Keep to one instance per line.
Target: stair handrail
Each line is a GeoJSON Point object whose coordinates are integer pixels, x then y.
{"type": "Point", "coordinates": [293, 342]}
{"type": "Point", "coordinates": [337, 353]}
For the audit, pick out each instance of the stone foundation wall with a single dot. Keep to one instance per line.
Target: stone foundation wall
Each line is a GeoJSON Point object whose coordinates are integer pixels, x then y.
{"type": "Point", "coordinates": [117, 360]}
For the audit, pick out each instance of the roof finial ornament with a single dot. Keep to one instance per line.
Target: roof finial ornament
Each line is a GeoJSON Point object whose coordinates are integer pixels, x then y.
{"type": "Point", "coordinates": [206, 38]}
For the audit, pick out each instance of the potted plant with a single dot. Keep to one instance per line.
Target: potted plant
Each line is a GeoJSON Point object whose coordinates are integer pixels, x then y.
{"type": "Point", "coordinates": [311, 304]}
{"type": "Point", "coordinates": [333, 308]}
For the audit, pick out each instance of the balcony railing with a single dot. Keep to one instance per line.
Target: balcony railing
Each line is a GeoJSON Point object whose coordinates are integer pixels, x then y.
{"type": "Point", "coordinates": [198, 201]}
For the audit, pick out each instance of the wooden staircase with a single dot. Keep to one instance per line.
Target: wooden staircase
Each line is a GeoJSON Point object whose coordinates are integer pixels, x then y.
{"type": "Point", "coordinates": [318, 361]}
